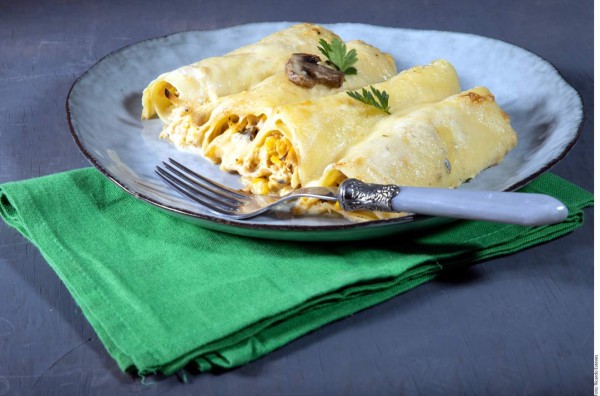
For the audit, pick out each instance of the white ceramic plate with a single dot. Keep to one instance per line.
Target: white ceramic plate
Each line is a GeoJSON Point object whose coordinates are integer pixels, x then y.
{"type": "Point", "coordinates": [104, 107]}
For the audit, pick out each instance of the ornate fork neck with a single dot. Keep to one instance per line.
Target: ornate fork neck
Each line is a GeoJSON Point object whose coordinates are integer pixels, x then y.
{"type": "Point", "coordinates": [356, 195]}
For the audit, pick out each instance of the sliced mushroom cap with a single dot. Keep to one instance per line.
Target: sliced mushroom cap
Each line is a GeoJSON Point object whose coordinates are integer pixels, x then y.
{"type": "Point", "coordinates": [306, 71]}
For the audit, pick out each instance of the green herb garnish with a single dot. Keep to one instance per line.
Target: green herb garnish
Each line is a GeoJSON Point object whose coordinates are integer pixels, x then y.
{"type": "Point", "coordinates": [337, 55]}
{"type": "Point", "coordinates": [379, 101]}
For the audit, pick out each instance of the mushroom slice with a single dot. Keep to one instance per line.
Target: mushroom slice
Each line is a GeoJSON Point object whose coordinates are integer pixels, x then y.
{"type": "Point", "coordinates": [304, 70]}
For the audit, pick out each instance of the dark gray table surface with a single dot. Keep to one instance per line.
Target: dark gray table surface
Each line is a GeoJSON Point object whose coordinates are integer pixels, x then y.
{"type": "Point", "coordinates": [521, 324]}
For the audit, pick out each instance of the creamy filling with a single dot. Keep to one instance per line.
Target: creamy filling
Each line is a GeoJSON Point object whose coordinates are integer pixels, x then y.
{"type": "Point", "coordinates": [265, 160]}
{"type": "Point", "coordinates": [270, 167]}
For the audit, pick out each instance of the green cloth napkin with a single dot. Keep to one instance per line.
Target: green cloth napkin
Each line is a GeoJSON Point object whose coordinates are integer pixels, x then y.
{"type": "Point", "coordinates": [162, 292]}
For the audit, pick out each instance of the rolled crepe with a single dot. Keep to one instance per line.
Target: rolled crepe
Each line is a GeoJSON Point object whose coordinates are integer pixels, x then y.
{"type": "Point", "coordinates": [297, 142]}
{"type": "Point", "coordinates": [438, 145]}
{"type": "Point", "coordinates": [239, 70]}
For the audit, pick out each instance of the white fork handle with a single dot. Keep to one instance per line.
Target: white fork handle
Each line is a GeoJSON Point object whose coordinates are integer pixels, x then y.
{"type": "Point", "coordinates": [504, 207]}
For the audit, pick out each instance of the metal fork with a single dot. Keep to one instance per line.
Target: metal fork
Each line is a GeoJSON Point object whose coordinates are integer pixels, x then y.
{"type": "Point", "coordinates": [226, 201]}
{"type": "Point", "coordinates": [505, 207]}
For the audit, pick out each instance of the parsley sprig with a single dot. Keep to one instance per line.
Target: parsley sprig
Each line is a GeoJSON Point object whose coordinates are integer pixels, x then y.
{"type": "Point", "coordinates": [337, 55]}
{"type": "Point", "coordinates": [379, 101]}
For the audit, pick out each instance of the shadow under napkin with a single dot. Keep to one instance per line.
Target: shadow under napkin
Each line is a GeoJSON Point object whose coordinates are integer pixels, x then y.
{"type": "Point", "coordinates": [161, 292]}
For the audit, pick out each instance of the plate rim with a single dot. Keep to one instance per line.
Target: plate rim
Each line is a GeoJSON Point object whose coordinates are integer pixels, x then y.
{"type": "Point", "coordinates": [412, 218]}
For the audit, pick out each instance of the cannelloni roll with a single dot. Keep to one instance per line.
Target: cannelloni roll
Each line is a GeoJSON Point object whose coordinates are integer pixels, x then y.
{"type": "Point", "coordinates": [212, 78]}
{"type": "Point", "coordinates": [438, 145]}
{"type": "Point", "coordinates": [298, 141]}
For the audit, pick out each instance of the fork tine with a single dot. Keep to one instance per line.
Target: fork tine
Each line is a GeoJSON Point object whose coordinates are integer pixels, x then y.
{"type": "Point", "coordinates": [216, 185]}
{"type": "Point", "coordinates": [193, 193]}
{"type": "Point", "coordinates": [221, 195]}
